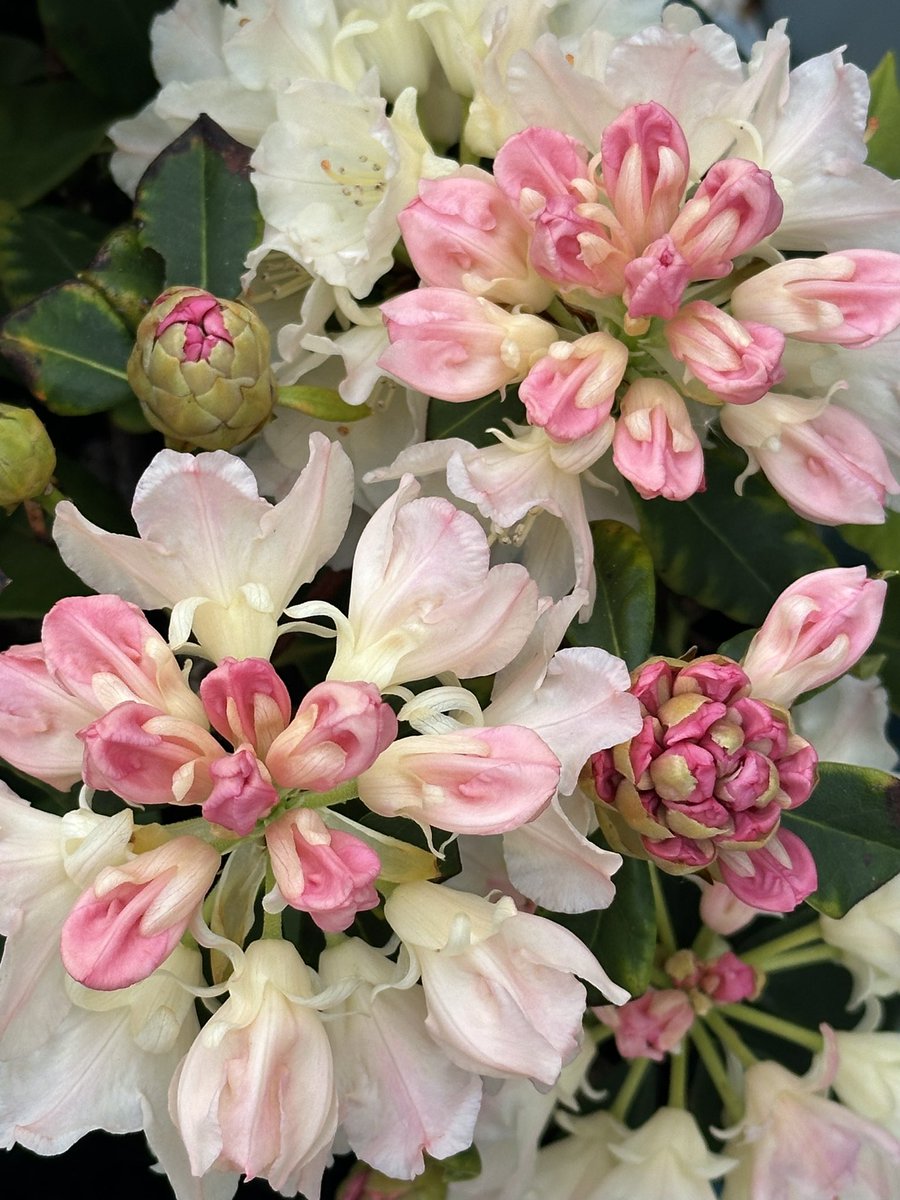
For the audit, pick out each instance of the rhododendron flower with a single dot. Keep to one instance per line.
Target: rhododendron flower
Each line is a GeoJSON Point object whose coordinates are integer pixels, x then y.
{"type": "Point", "coordinates": [255, 1092]}
{"type": "Point", "coordinates": [739, 361]}
{"type": "Point", "coordinates": [654, 445]}
{"type": "Point", "coordinates": [223, 559]}
{"type": "Point", "coordinates": [527, 1019]}
{"type": "Point", "coordinates": [816, 630]}
{"type": "Point", "coordinates": [570, 391]}
{"type": "Point", "coordinates": [867, 1077]}
{"type": "Point", "coordinates": [651, 1026]}
{"type": "Point", "coordinates": [868, 936]}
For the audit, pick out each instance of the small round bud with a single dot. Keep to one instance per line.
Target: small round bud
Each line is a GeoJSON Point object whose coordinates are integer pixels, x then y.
{"type": "Point", "coordinates": [27, 457]}
{"type": "Point", "coordinates": [200, 368]}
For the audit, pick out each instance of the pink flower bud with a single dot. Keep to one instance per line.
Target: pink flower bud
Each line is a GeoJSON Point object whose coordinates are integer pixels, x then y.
{"type": "Point", "coordinates": [327, 873]}
{"type": "Point", "coordinates": [571, 249]}
{"type": "Point", "coordinates": [815, 631]}
{"type": "Point", "coordinates": [734, 207]}
{"type": "Point", "coordinates": [775, 878]}
{"type": "Point", "coordinates": [651, 1026]}
{"type": "Point", "coordinates": [654, 445]}
{"type": "Point", "coordinates": [485, 780]}
{"type": "Point", "coordinates": [454, 346]}
{"type": "Point", "coordinates": [133, 917]}
{"type": "Point", "coordinates": [645, 160]}
{"type": "Point", "coordinates": [738, 361]}
{"type": "Point", "coordinates": [246, 702]}
{"type": "Point", "coordinates": [540, 163]}
{"type": "Point", "coordinates": [655, 281]}
{"type": "Point", "coordinates": [464, 232]}
{"type": "Point", "coordinates": [721, 910]}
{"type": "Point", "coordinates": [339, 730]}
{"type": "Point", "coordinates": [570, 391]}
{"type": "Point", "coordinates": [202, 326]}
{"type": "Point", "coordinates": [851, 297]}
{"type": "Point", "coordinates": [728, 979]}
{"type": "Point", "coordinates": [242, 793]}
{"type": "Point", "coordinates": [147, 757]}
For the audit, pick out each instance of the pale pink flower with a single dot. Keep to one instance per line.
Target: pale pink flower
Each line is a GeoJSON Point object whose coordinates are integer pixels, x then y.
{"type": "Point", "coordinates": [338, 731]}
{"type": "Point", "coordinates": [211, 549]}
{"type": "Point", "coordinates": [424, 598]}
{"type": "Point", "coordinates": [464, 232]}
{"type": "Point", "coordinates": [380, 1039]}
{"type": "Point", "coordinates": [327, 873]}
{"type": "Point", "coordinates": [795, 1143]}
{"type": "Point", "coordinates": [133, 916]}
{"type": "Point", "coordinates": [246, 702]}
{"type": "Point", "coordinates": [242, 792]}
{"type": "Point", "coordinates": [851, 298]}
{"type": "Point", "coordinates": [538, 164]}
{"type": "Point", "coordinates": [482, 780]}
{"type": "Point", "coordinates": [651, 1026]}
{"type": "Point", "coordinates": [823, 459]}
{"type": "Point", "coordinates": [739, 361]}
{"type": "Point", "coordinates": [255, 1092]}
{"type": "Point", "coordinates": [815, 631]}
{"type": "Point", "coordinates": [655, 280]}
{"type": "Point", "coordinates": [570, 391]}
{"type": "Point", "coordinates": [455, 346]}
{"type": "Point", "coordinates": [721, 910]}
{"type": "Point", "coordinates": [499, 984]}
{"type": "Point", "coordinates": [654, 445]}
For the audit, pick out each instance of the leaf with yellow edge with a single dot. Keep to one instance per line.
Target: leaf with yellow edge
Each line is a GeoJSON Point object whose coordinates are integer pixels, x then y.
{"type": "Point", "coordinates": [323, 404]}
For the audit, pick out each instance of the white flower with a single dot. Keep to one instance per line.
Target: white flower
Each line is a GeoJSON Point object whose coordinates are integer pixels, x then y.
{"type": "Point", "coordinates": [332, 173]}
{"type": "Point", "coordinates": [869, 937]}
{"type": "Point", "coordinates": [847, 722]}
{"type": "Point", "coordinates": [868, 1075]}
{"type": "Point", "coordinates": [223, 559]}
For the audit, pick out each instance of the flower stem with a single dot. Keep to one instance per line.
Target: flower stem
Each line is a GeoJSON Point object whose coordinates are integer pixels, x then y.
{"type": "Point", "coordinates": [804, 957]}
{"type": "Point", "coordinates": [760, 956]}
{"type": "Point", "coordinates": [663, 921]}
{"type": "Point", "coordinates": [717, 1073]}
{"type": "Point", "coordinates": [678, 1079]}
{"type": "Point", "coordinates": [630, 1088]}
{"type": "Point", "coordinates": [778, 1026]}
{"type": "Point", "coordinates": [600, 1034]}
{"type": "Point", "coordinates": [337, 795]}
{"type": "Point", "coordinates": [271, 920]}
{"type": "Point", "coordinates": [730, 1039]}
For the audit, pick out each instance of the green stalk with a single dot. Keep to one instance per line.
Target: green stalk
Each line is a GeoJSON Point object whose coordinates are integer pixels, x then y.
{"type": "Point", "coordinates": [789, 1031]}
{"type": "Point", "coordinates": [730, 1039]}
{"type": "Point", "coordinates": [715, 1068]}
{"type": "Point", "coordinates": [759, 956]}
{"type": "Point", "coordinates": [630, 1088]}
{"type": "Point", "coordinates": [804, 957]}
{"type": "Point", "coordinates": [663, 920]}
{"type": "Point", "coordinates": [678, 1079]}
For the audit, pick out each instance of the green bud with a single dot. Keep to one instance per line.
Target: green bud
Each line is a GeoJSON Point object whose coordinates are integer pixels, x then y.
{"type": "Point", "coordinates": [27, 457]}
{"type": "Point", "coordinates": [200, 368]}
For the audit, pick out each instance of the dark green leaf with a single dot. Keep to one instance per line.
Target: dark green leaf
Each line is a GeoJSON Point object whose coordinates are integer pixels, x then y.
{"type": "Point", "coordinates": [880, 542]}
{"type": "Point", "coordinates": [623, 936]}
{"type": "Point", "coordinates": [884, 108]}
{"type": "Point", "coordinates": [42, 247]}
{"type": "Point", "coordinates": [71, 348]}
{"type": "Point", "coordinates": [887, 642]}
{"type": "Point", "coordinates": [471, 421]}
{"type": "Point", "coordinates": [851, 823]}
{"type": "Point", "coordinates": [20, 60]}
{"type": "Point", "coordinates": [197, 208]}
{"type": "Point", "coordinates": [38, 575]}
{"type": "Point", "coordinates": [731, 553]}
{"type": "Point", "coordinates": [736, 647]}
{"type": "Point", "coordinates": [129, 276]}
{"type": "Point", "coordinates": [462, 1166]}
{"type": "Point", "coordinates": [46, 130]}
{"type": "Point", "coordinates": [106, 45]}
{"type": "Point", "coordinates": [622, 620]}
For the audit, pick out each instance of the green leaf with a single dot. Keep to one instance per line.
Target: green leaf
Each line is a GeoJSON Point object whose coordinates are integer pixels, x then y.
{"type": "Point", "coordinates": [472, 420]}
{"type": "Point", "coordinates": [42, 247]}
{"type": "Point", "coordinates": [851, 823]}
{"type": "Point", "coordinates": [20, 60]}
{"type": "Point", "coordinates": [622, 619]}
{"type": "Point", "coordinates": [734, 554]}
{"type": "Point", "coordinates": [880, 542]}
{"type": "Point", "coordinates": [736, 647]}
{"type": "Point", "coordinates": [322, 403]}
{"type": "Point", "coordinates": [129, 277]}
{"type": "Point", "coordinates": [71, 347]}
{"type": "Point", "coordinates": [884, 108]}
{"type": "Point", "coordinates": [106, 45]}
{"type": "Point", "coordinates": [38, 575]}
{"type": "Point", "coordinates": [197, 209]}
{"type": "Point", "coordinates": [465, 1164]}
{"type": "Point", "coordinates": [887, 642]}
{"type": "Point", "coordinates": [623, 936]}
{"type": "Point", "coordinates": [47, 130]}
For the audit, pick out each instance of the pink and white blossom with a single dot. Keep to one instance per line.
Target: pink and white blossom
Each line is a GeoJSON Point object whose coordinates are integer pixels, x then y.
{"type": "Point", "coordinates": [570, 391]}
{"type": "Point", "coordinates": [739, 361]}
{"type": "Point", "coordinates": [527, 1021]}
{"type": "Point", "coordinates": [654, 445]}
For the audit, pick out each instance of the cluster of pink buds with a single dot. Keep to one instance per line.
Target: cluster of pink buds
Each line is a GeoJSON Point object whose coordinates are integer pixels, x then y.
{"type": "Point", "coordinates": [704, 783]}
{"type": "Point", "coordinates": [619, 248]}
